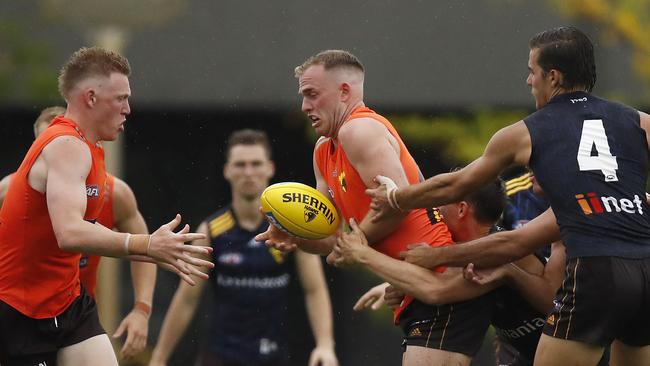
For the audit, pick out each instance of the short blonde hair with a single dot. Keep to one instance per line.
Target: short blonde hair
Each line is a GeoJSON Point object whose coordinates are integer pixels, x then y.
{"type": "Point", "coordinates": [46, 116]}
{"type": "Point", "coordinates": [331, 59]}
{"type": "Point", "coordinates": [87, 62]}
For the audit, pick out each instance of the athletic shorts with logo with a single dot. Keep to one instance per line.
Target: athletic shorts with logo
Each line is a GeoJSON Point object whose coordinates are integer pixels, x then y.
{"type": "Point", "coordinates": [602, 299]}
{"type": "Point", "coordinates": [458, 327]}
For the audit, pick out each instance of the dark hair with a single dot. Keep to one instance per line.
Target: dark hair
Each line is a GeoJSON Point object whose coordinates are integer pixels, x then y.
{"type": "Point", "coordinates": [569, 51]}
{"type": "Point", "coordinates": [331, 59]}
{"type": "Point", "coordinates": [488, 202]}
{"type": "Point", "coordinates": [88, 62]}
{"type": "Point", "coordinates": [248, 137]}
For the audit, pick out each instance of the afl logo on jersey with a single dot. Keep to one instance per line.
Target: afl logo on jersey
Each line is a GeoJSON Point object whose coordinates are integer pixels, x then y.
{"type": "Point", "coordinates": [231, 259]}
{"type": "Point", "coordinates": [92, 191]}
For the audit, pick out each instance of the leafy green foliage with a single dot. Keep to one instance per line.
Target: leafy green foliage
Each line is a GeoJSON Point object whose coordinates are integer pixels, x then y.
{"type": "Point", "coordinates": [462, 137]}
{"type": "Point", "coordinates": [25, 65]}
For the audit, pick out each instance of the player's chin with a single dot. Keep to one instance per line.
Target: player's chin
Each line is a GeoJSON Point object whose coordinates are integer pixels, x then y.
{"type": "Point", "coordinates": [110, 136]}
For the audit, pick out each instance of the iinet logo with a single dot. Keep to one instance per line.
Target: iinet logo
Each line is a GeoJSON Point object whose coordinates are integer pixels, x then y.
{"type": "Point", "coordinates": [591, 204]}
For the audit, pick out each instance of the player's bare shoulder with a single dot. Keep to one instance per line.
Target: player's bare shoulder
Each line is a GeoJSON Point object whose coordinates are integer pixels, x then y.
{"type": "Point", "coordinates": [68, 149]}
{"type": "Point", "coordinates": [512, 143]}
{"type": "Point", "coordinates": [362, 133]}
{"type": "Point", "coordinates": [358, 129]}
{"type": "Point", "coordinates": [64, 155]}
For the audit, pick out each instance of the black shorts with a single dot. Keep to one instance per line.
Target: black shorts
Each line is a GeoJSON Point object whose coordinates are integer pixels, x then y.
{"type": "Point", "coordinates": [602, 299]}
{"type": "Point", "coordinates": [29, 341]}
{"type": "Point", "coordinates": [458, 327]}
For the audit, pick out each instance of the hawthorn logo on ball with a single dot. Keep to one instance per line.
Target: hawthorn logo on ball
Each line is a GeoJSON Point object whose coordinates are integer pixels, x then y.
{"type": "Point", "coordinates": [312, 206]}
{"type": "Point", "coordinates": [310, 213]}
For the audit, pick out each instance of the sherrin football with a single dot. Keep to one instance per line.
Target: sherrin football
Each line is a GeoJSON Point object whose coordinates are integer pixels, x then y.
{"type": "Point", "coordinates": [300, 210]}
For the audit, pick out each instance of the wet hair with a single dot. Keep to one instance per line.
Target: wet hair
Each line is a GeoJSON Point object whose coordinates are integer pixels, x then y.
{"type": "Point", "coordinates": [569, 51]}
{"type": "Point", "coordinates": [488, 202]}
{"type": "Point", "coordinates": [88, 62]}
{"type": "Point", "coordinates": [46, 116]}
{"type": "Point", "coordinates": [331, 59]}
{"type": "Point", "coordinates": [248, 137]}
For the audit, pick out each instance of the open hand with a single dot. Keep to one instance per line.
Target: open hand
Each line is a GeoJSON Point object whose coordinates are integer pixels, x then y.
{"type": "Point", "coordinates": [373, 298]}
{"type": "Point", "coordinates": [276, 238]}
{"type": "Point", "coordinates": [168, 249]}
{"type": "Point", "coordinates": [484, 276]}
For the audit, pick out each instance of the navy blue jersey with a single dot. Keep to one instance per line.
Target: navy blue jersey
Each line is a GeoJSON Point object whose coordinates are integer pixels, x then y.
{"type": "Point", "coordinates": [251, 293]}
{"type": "Point", "coordinates": [590, 156]}
{"type": "Point", "coordinates": [523, 204]}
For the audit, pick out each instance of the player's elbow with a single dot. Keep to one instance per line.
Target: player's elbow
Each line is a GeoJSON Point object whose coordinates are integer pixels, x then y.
{"type": "Point", "coordinates": [69, 240]}
{"type": "Point", "coordinates": [66, 242]}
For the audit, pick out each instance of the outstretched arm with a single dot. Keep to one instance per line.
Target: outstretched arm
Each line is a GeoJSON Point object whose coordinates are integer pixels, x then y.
{"type": "Point", "coordinates": [491, 250]}
{"type": "Point", "coordinates": [319, 308]}
{"type": "Point", "coordinates": [143, 275]}
{"type": "Point", "coordinates": [510, 145]}
{"type": "Point", "coordinates": [67, 162]}
{"type": "Point", "coordinates": [423, 284]}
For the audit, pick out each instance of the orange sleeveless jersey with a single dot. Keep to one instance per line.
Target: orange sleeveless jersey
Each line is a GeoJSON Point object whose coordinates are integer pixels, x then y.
{"type": "Point", "coordinates": [348, 190]}
{"type": "Point", "coordinates": [89, 264]}
{"type": "Point", "coordinates": [37, 278]}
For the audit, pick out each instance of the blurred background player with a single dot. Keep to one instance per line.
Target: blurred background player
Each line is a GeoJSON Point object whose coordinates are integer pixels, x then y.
{"type": "Point", "coordinates": [120, 211]}
{"type": "Point", "coordinates": [250, 280]}
{"type": "Point", "coordinates": [525, 201]}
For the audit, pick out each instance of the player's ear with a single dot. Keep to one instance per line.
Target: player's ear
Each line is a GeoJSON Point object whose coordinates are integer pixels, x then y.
{"type": "Point", "coordinates": [557, 79]}
{"type": "Point", "coordinates": [89, 97]}
{"type": "Point", "coordinates": [463, 209]}
{"type": "Point", "coordinates": [345, 91]}
{"type": "Point", "coordinates": [271, 169]}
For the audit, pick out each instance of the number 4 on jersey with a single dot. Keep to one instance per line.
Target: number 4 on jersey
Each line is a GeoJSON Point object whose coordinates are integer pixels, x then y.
{"type": "Point", "coordinates": [593, 134]}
